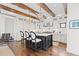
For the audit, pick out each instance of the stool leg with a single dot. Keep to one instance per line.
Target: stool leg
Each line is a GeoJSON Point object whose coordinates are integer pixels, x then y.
{"type": "Point", "coordinates": [22, 41]}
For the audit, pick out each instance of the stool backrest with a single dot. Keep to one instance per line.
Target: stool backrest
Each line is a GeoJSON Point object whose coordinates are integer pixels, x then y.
{"type": "Point", "coordinates": [21, 33]}
{"type": "Point", "coordinates": [33, 35]}
{"type": "Point", "coordinates": [26, 34]}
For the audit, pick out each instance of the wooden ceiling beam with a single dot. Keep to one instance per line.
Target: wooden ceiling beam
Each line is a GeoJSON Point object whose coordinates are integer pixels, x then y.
{"type": "Point", "coordinates": [16, 11]}
{"type": "Point", "coordinates": [45, 7]}
{"type": "Point", "coordinates": [21, 5]}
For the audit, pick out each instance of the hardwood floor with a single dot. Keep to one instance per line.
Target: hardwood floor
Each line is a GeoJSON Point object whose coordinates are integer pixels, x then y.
{"type": "Point", "coordinates": [20, 50]}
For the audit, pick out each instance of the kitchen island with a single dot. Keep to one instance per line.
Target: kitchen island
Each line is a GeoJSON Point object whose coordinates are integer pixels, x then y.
{"type": "Point", "coordinates": [47, 40]}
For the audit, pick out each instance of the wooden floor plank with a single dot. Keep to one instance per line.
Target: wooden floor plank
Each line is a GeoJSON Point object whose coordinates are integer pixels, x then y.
{"type": "Point", "coordinates": [20, 50]}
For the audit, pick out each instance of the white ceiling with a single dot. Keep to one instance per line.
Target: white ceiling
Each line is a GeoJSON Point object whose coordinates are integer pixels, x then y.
{"type": "Point", "coordinates": [57, 8]}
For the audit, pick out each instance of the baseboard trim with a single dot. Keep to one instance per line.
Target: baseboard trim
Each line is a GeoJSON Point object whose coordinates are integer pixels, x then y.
{"type": "Point", "coordinates": [60, 42]}
{"type": "Point", "coordinates": [71, 54]}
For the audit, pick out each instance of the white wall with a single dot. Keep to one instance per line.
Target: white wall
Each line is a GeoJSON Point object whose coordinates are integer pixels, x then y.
{"type": "Point", "coordinates": [5, 22]}
{"type": "Point", "coordinates": [2, 25]}
{"type": "Point", "coordinates": [73, 34]}
{"type": "Point", "coordinates": [18, 26]}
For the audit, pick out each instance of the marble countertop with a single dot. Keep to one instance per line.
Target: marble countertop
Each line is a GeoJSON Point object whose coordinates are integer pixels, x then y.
{"type": "Point", "coordinates": [43, 34]}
